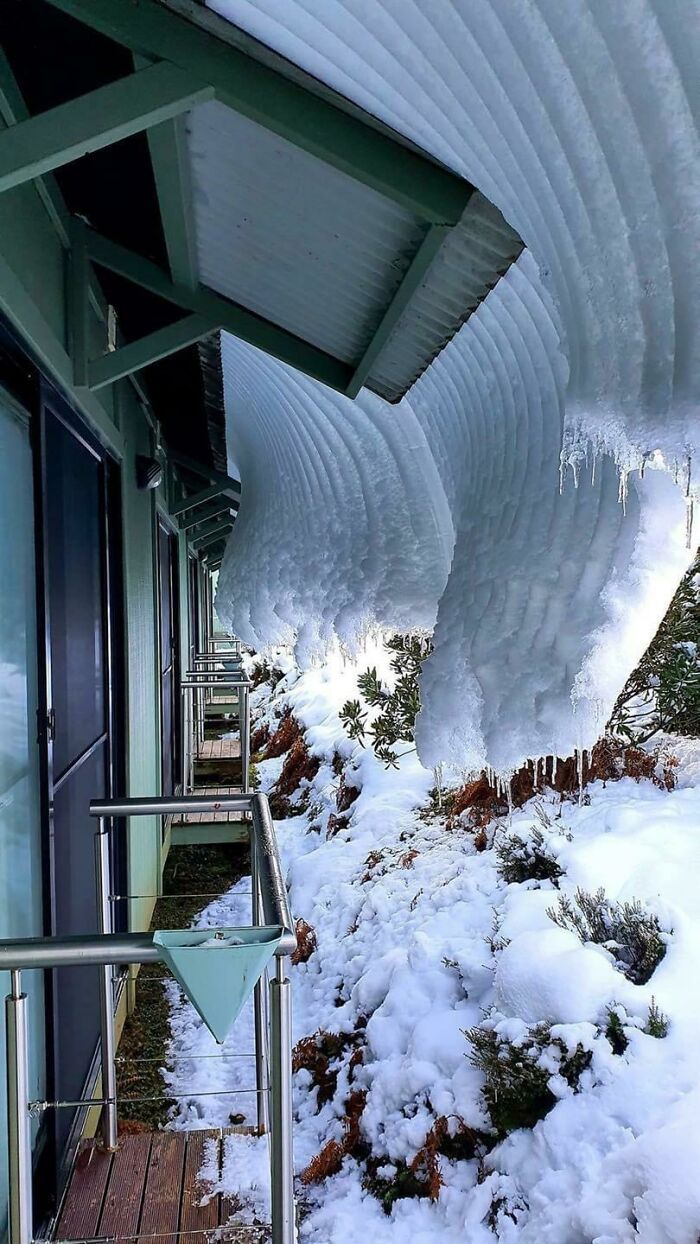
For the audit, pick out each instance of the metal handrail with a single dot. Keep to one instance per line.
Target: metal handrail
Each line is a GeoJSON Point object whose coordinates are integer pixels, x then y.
{"type": "Point", "coordinates": [107, 949]}
{"type": "Point", "coordinates": [195, 684]}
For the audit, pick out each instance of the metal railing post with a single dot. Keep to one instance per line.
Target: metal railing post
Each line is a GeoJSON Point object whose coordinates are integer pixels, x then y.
{"type": "Point", "coordinates": [244, 727]}
{"type": "Point", "coordinates": [19, 1144]}
{"type": "Point", "coordinates": [185, 740]}
{"type": "Point", "coordinates": [262, 1071]}
{"type": "Point", "coordinates": [281, 1152]}
{"type": "Point", "coordinates": [107, 1036]}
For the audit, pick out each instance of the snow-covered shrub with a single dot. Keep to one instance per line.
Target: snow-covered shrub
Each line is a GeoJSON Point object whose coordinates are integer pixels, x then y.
{"type": "Point", "coordinates": [397, 707]}
{"type": "Point", "coordinates": [448, 1138]}
{"type": "Point", "coordinates": [615, 1029]}
{"type": "Point", "coordinates": [527, 859]}
{"type": "Point", "coordinates": [631, 932]}
{"type": "Point", "coordinates": [518, 1073]}
{"type": "Point", "coordinates": [618, 1021]}
{"type": "Point", "coordinates": [264, 672]}
{"type": "Point", "coordinates": [657, 1023]}
{"type": "Point", "coordinates": [663, 692]}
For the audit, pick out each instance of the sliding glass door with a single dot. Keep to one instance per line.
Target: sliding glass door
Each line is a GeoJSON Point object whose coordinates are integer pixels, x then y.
{"type": "Point", "coordinates": [20, 819]}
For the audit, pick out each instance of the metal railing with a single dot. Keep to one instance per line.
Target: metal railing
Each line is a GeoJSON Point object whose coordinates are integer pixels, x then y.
{"type": "Point", "coordinates": [195, 689]}
{"type": "Point", "coordinates": [273, 1035]}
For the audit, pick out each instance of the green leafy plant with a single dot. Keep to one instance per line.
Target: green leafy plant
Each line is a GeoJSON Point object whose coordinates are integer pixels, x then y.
{"type": "Point", "coordinates": [663, 692]}
{"type": "Point", "coordinates": [516, 1089]}
{"type": "Point", "coordinates": [629, 931]}
{"type": "Point", "coordinates": [397, 706]}
{"type": "Point", "coordinates": [354, 720]}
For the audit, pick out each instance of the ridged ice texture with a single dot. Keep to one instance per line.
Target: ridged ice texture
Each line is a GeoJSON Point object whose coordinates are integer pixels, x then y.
{"type": "Point", "coordinates": [579, 120]}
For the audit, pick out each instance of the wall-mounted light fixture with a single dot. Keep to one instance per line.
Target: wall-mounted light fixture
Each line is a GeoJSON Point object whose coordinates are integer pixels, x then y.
{"type": "Point", "coordinates": [149, 472]}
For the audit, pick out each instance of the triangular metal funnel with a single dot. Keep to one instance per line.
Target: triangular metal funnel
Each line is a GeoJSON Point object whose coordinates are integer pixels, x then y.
{"type": "Point", "coordinates": [218, 968]}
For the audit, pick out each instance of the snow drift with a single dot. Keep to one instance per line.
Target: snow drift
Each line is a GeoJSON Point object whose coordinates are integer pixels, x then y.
{"type": "Point", "coordinates": [580, 122]}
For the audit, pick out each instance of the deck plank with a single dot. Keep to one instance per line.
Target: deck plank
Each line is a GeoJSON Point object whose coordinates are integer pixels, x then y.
{"type": "Point", "coordinates": [199, 1209]}
{"type": "Point", "coordinates": [82, 1206]}
{"type": "Point", "coordinates": [198, 818]}
{"type": "Point", "coordinates": [121, 1211]}
{"type": "Point", "coordinates": [219, 749]}
{"type": "Point", "coordinates": [160, 1214]}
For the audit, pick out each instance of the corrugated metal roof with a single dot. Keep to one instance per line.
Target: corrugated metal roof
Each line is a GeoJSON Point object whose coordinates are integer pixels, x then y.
{"type": "Point", "coordinates": [475, 254]}
{"type": "Point", "coordinates": [320, 254]}
{"type": "Point", "coordinates": [292, 238]}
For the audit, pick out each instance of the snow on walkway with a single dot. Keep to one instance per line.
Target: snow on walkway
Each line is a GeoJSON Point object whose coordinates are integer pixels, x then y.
{"type": "Point", "coordinates": [419, 938]}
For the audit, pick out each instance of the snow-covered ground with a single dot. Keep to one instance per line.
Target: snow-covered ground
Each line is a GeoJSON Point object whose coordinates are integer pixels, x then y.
{"type": "Point", "coordinates": [420, 938]}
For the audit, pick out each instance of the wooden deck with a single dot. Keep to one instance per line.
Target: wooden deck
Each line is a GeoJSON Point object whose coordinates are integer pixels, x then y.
{"type": "Point", "coordinates": [150, 1188]}
{"type": "Point", "coordinates": [219, 749]}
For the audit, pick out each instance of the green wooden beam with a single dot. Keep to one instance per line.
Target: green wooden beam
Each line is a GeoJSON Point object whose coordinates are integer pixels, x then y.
{"type": "Point", "coordinates": [69, 131]}
{"type": "Point", "coordinates": [168, 147]}
{"type": "Point", "coordinates": [259, 85]}
{"type": "Point", "coordinates": [212, 493]}
{"type": "Point", "coordinates": [137, 354]}
{"type": "Point", "coordinates": [213, 538]}
{"type": "Point", "coordinates": [412, 278]}
{"type": "Point", "coordinates": [225, 482]}
{"type": "Point", "coordinates": [216, 527]}
{"type": "Point", "coordinates": [223, 506]}
{"type": "Point", "coordinates": [78, 307]}
{"type": "Point", "coordinates": [229, 315]}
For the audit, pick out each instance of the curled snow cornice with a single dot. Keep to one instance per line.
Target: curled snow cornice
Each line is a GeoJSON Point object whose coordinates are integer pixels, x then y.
{"type": "Point", "coordinates": [580, 122]}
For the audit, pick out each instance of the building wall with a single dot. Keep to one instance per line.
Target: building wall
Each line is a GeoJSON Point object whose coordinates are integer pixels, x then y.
{"type": "Point", "coordinates": [33, 302]}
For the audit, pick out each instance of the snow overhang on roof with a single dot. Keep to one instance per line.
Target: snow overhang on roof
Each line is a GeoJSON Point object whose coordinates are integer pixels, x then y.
{"type": "Point", "coordinates": [337, 245]}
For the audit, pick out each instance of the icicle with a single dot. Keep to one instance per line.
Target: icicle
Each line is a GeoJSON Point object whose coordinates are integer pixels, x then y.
{"type": "Point", "coordinates": [622, 489]}
{"type": "Point", "coordinates": [579, 773]}
{"type": "Point", "coordinates": [688, 507]}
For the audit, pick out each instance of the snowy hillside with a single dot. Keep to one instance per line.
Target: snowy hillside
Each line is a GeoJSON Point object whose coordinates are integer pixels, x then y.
{"type": "Point", "coordinates": [568, 1114]}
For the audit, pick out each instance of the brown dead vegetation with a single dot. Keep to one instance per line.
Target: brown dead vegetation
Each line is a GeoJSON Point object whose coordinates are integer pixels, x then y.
{"type": "Point", "coordinates": [259, 739]}
{"type": "Point", "coordinates": [407, 859]}
{"type": "Point", "coordinates": [462, 1143]}
{"type": "Point", "coordinates": [299, 765]}
{"type": "Point", "coordinates": [335, 824]}
{"type": "Point", "coordinates": [287, 732]}
{"type": "Point", "coordinates": [330, 1159]}
{"type": "Point", "coordinates": [346, 795]}
{"type": "Point", "coordinates": [306, 942]}
{"type": "Point", "coordinates": [608, 761]}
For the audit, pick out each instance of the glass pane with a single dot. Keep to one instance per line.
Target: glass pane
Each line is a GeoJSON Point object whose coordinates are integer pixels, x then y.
{"type": "Point", "coordinates": [75, 506]}
{"type": "Point", "coordinates": [77, 1013]}
{"type": "Point", "coordinates": [20, 832]}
